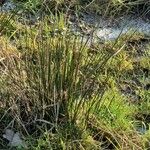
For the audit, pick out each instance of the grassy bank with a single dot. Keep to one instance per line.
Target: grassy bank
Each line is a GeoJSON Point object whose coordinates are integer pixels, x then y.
{"type": "Point", "coordinates": [102, 7]}
{"type": "Point", "coordinates": [59, 92]}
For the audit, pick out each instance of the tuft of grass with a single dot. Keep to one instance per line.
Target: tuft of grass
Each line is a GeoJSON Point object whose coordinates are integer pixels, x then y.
{"type": "Point", "coordinates": [62, 93]}
{"type": "Point", "coordinates": [50, 72]}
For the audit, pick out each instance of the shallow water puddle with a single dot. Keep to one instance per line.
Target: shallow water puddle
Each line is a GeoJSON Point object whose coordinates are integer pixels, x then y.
{"type": "Point", "coordinates": [113, 33]}
{"type": "Point", "coordinates": [111, 30]}
{"type": "Point", "coordinates": [107, 28]}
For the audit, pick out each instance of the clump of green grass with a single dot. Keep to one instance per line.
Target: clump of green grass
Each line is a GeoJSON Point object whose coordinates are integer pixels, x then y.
{"type": "Point", "coordinates": [49, 79]}
{"type": "Point", "coordinates": [50, 65]}
{"type": "Point", "coordinates": [63, 94]}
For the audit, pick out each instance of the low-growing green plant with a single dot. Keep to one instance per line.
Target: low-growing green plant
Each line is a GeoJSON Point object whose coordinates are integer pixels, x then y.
{"type": "Point", "coordinates": [115, 111]}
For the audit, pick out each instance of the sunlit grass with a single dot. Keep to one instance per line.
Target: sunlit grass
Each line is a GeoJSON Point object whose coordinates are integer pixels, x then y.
{"type": "Point", "coordinates": [63, 94]}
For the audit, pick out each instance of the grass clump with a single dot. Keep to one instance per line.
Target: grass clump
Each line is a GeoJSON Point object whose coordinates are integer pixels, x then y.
{"type": "Point", "coordinates": [62, 93]}
{"type": "Point", "coordinates": [49, 85]}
